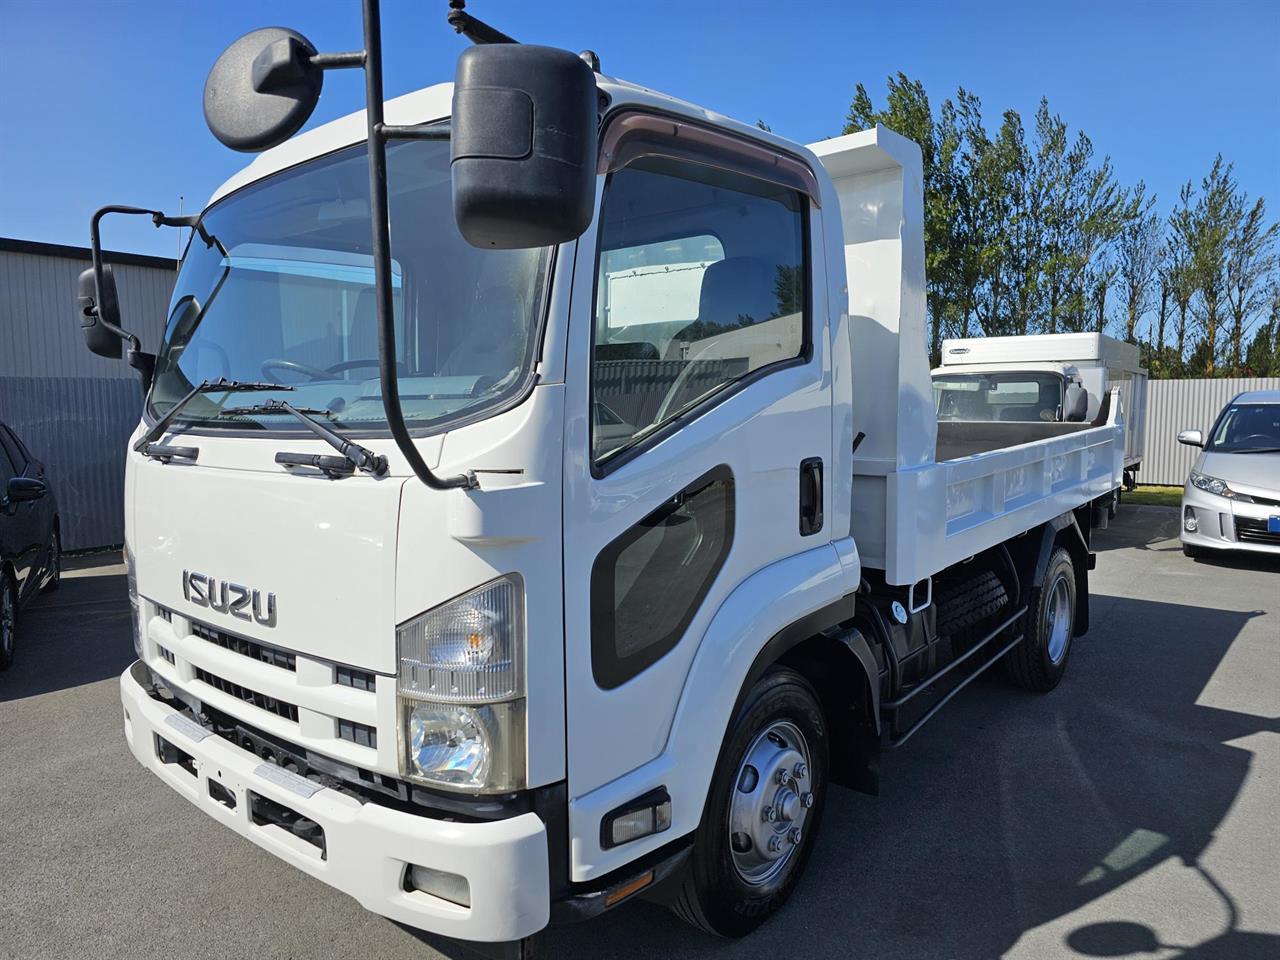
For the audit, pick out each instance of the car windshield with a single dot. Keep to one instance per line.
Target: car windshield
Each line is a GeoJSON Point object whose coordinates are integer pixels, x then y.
{"type": "Point", "coordinates": [1245, 427]}
{"type": "Point", "coordinates": [998, 396]}
{"type": "Point", "coordinates": [277, 286]}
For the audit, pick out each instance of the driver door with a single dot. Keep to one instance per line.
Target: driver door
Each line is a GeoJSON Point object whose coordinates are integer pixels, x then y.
{"type": "Point", "coordinates": [698, 388]}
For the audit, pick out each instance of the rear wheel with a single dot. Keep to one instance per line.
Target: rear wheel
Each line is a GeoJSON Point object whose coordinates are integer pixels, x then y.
{"type": "Point", "coordinates": [8, 620]}
{"type": "Point", "coordinates": [762, 810]}
{"type": "Point", "coordinates": [1040, 660]}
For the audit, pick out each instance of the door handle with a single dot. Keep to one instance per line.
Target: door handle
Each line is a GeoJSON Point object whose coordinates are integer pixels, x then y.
{"type": "Point", "coordinates": [810, 496]}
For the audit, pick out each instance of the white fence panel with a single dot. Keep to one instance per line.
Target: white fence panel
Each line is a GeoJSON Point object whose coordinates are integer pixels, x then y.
{"type": "Point", "coordinates": [1174, 405]}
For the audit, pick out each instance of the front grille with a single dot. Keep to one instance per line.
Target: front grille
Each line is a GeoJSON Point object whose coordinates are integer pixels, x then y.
{"type": "Point", "coordinates": [1250, 530]}
{"type": "Point", "coordinates": [167, 654]}
{"type": "Point", "coordinates": [261, 652]}
{"type": "Point", "coordinates": [351, 677]}
{"type": "Point", "coordinates": [358, 733]}
{"type": "Point", "coordinates": [1264, 501]}
{"type": "Point", "coordinates": [260, 700]}
{"type": "Point", "coordinates": [165, 614]}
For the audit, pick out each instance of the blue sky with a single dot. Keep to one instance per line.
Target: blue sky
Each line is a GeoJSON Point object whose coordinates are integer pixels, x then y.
{"type": "Point", "coordinates": [100, 102]}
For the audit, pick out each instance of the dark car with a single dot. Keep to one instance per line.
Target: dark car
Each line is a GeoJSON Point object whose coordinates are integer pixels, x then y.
{"type": "Point", "coordinates": [30, 549]}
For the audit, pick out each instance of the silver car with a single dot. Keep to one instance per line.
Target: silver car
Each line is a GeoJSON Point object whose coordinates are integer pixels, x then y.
{"type": "Point", "coordinates": [1231, 500]}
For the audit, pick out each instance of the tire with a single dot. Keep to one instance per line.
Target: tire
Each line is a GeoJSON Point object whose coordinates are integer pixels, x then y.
{"type": "Point", "coordinates": [1040, 660]}
{"type": "Point", "coordinates": [732, 884]}
{"type": "Point", "coordinates": [8, 620]}
{"type": "Point", "coordinates": [965, 608]}
{"type": "Point", "coordinates": [55, 557]}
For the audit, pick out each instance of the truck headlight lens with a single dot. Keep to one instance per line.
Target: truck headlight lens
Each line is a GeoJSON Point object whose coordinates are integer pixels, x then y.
{"type": "Point", "coordinates": [461, 690]}
{"type": "Point", "coordinates": [468, 747]}
{"type": "Point", "coordinates": [1212, 485]}
{"type": "Point", "coordinates": [135, 618]}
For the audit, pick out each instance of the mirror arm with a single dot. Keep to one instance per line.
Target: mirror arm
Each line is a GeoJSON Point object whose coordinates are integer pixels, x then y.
{"type": "Point", "coordinates": [379, 213]}
{"type": "Point", "coordinates": [477, 31]}
{"type": "Point", "coordinates": [418, 131]}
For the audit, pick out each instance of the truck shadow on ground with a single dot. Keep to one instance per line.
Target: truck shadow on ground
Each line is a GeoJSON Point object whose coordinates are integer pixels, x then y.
{"type": "Point", "coordinates": [1012, 810]}
{"type": "Point", "coordinates": [76, 635]}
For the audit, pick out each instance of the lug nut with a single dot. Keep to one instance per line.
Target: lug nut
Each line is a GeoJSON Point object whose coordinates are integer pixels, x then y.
{"type": "Point", "coordinates": [806, 800]}
{"type": "Point", "coordinates": [794, 835]}
{"type": "Point", "coordinates": [781, 776]}
{"type": "Point", "coordinates": [800, 770]}
{"type": "Point", "coordinates": [775, 844]}
{"type": "Point", "coordinates": [770, 814]}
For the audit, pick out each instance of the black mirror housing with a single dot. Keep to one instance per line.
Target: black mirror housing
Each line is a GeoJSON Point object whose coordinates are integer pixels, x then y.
{"type": "Point", "coordinates": [523, 145]}
{"type": "Point", "coordinates": [262, 89]}
{"type": "Point", "coordinates": [97, 336]}
{"type": "Point", "coordinates": [22, 489]}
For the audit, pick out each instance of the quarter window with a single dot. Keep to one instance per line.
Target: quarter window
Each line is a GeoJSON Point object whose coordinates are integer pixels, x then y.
{"type": "Point", "coordinates": [701, 282]}
{"type": "Point", "coordinates": [647, 584]}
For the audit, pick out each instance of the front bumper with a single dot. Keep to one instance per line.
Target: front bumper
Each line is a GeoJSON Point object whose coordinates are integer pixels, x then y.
{"type": "Point", "coordinates": [366, 847]}
{"type": "Point", "coordinates": [1226, 524]}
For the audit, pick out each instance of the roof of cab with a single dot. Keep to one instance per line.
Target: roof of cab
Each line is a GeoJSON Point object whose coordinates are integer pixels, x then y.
{"type": "Point", "coordinates": [434, 103]}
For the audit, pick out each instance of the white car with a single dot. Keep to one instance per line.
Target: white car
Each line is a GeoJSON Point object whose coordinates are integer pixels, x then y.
{"type": "Point", "coordinates": [1231, 500]}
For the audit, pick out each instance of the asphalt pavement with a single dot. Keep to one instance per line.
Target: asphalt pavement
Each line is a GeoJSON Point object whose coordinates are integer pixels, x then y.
{"type": "Point", "coordinates": [1133, 812]}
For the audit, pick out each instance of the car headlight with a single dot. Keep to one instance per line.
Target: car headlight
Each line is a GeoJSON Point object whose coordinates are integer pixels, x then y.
{"type": "Point", "coordinates": [131, 579]}
{"type": "Point", "coordinates": [461, 691]}
{"type": "Point", "coordinates": [1215, 486]}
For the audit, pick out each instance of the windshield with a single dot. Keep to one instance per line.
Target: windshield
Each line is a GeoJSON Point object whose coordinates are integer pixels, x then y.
{"type": "Point", "coordinates": [277, 286]}
{"type": "Point", "coordinates": [998, 396]}
{"type": "Point", "coordinates": [1245, 427]}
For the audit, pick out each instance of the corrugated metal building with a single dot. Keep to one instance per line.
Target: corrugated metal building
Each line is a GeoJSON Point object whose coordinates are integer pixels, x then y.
{"type": "Point", "coordinates": [1174, 405]}
{"type": "Point", "coordinates": [73, 409]}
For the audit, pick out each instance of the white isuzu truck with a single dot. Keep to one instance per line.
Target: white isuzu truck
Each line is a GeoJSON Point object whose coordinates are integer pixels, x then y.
{"type": "Point", "coordinates": [488, 611]}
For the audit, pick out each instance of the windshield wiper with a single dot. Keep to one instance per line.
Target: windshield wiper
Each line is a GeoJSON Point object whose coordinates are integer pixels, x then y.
{"type": "Point", "coordinates": [354, 455]}
{"type": "Point", "coordinates": [146, 444]}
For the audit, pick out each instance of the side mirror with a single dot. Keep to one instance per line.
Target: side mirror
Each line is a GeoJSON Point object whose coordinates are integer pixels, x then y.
{"type": "Point", "coordinates": [22, 489]}
{"type": "Point", "coordinates": [1192, 438]}
{"type": "Point", "coordinates": [1076, 403]}
{"type": "Point", "coordinates": [262, 89]}
{"type": "Point", "coordinates": [99, 337]}
{"type": "Point", "coordinates": [523, 145]}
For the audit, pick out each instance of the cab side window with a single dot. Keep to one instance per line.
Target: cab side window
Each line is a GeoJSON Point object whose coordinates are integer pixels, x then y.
{"type": "Point", "coordinates": [701, 282]}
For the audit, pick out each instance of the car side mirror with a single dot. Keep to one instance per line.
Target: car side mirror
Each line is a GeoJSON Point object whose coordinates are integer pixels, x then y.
{"type": "Point", "coordinates": [523, 145]}
{"type": "Point", "coordinates": [98, 336]}
{"type": "Point", "coordinates": [22, 489]}
{"type": "Point", "coordinates": [1192, 438]}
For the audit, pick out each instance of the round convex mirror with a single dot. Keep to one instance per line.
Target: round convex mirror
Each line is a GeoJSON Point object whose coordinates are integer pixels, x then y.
{"type": "Point", "coordinates": [262, 89]}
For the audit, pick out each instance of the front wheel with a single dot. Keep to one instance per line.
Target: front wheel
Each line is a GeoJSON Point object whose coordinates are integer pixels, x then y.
{"type": "Point", "coordinates": [8, 619]}
{"type": "Point", "coordinates": [762, 811]}
{"type": "Point", "coordinates": [1040, 660]}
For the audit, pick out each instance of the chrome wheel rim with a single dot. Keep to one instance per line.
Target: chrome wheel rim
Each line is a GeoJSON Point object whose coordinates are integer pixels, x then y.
{"type": "Point", "coordinates": [7, 613]}
{"type": "Point", "coordinates": [1058, 619]}
{"type": "Point", "coordinates": [773, 793]}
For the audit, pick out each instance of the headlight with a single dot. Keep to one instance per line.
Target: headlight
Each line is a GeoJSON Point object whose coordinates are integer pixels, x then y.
{"type": "Point", "coordinates": [461, 691]}
{"type": "Point", "coordinates": [1213, 485]}
{"type": "Point", "coordinates": [131, 579]}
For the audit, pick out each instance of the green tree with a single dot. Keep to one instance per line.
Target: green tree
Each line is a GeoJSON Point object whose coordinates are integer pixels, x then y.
{"type": "Point", "coordinates": [1250, 261]}
{"type": "Point", "coordinates": [1138, 253]}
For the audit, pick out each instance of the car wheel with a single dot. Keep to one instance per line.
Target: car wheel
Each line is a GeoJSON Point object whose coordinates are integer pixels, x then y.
{"type": "Point", "coordinates": [762, 810]}
{"type": "Point", "coordinates": [1040, 660]}
{"type": "Point", "coordinates": [8, 620]}
{"type": "Point", "coordinates": [55, 563]}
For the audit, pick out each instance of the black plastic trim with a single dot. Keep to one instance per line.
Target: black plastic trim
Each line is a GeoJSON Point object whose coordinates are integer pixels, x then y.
{"type": "Point", "coordinates": [608, 669]}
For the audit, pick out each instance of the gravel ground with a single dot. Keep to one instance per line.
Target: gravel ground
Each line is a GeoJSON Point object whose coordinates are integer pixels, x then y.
{"type": "Point", "coordinates": [1132, 812]}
